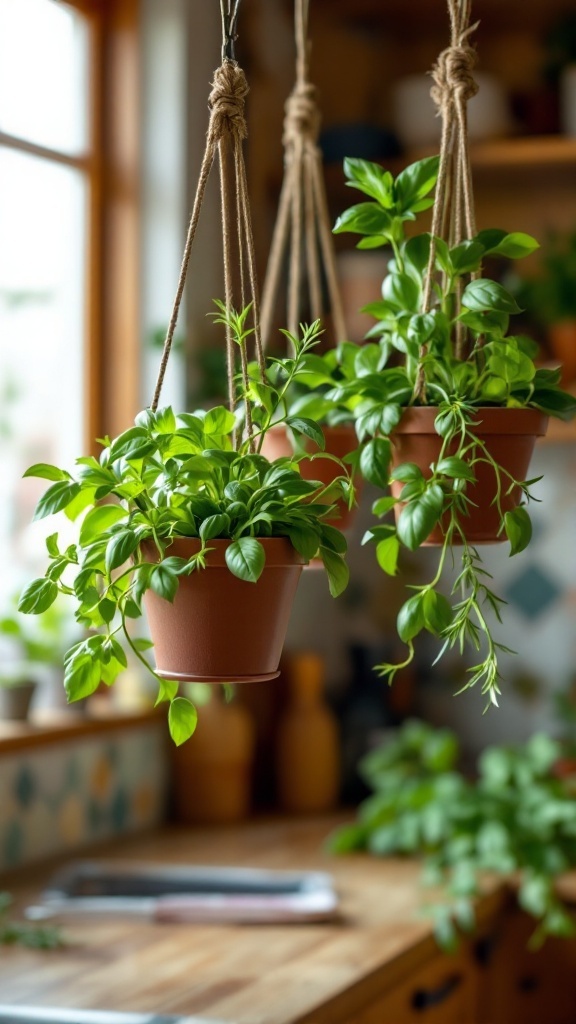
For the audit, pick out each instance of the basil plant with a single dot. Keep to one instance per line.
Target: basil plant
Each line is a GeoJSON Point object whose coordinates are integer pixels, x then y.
{"type": "Point", "coordinates": [178, 475]}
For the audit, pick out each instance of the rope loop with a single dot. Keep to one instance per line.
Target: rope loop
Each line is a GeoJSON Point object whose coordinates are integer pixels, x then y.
{"type": "Point", "coordinates": [452, 75]}
{"type": "Point", "coordinates": [226, 101]}
{"type": "Point", "coordinates": [302, 119]}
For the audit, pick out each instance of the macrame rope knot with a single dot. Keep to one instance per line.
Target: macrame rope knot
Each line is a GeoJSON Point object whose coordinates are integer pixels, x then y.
{"type": "Point", "coordinates": [302, 115]}
{"type": "Point", "coordinates": [226, 101]}
{"type": "Point", "coordinates": [453, 77]}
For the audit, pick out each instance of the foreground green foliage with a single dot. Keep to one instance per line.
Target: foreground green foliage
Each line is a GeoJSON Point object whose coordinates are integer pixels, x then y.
{"type": "Point", "coordinates": [517, 819]}
{"type": "Point", "coordinates": [22, 933]}
{"type": "Point", "coordinates": [179, 475]}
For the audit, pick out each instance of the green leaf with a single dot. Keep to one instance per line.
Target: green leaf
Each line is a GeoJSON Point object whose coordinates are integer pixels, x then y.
{"type": "Point", "coordinates": [514, 246]}
{"type": "Point", "coordinates": [46, 472]}
{"type": "Point", "coordinates": [486, 294]}
{"type": "Point", "coordinates": [215, 526]}
{"type": "Point", "coordinates": [82, 672]}
{"type": "Point", "coordinates": [38, 596]}
{"type": "Point", "coordinates": [364, 219]}
{"type": "Point", "coordinates": [98, 521]}
{"type": "Point", "coordinates": [163, 582]}
{"type": "Point", "coordinates": [437, 612]}
{"type": "Point", "coordinates": [134, 443]}
{"type": "Point", "coordinates": [407, 472]}
{"type": "Point", "coordinates": [219, 420]}
{"type": "Point", "coordinates": [305, 540]}
{"type": "Point", "coordinates": [410, 619]}
{"type": "Point", "coordinates": [182, 719]}
{"type": "Point", "coordinates": [387, 551]}
{"type": "Point", "coordinates": [370, 178]}
{"type": "Point", "coordinates": [518, 527]}
{"type": "Point", "coordinates": [164, 420]}
{"type": "Point", "coordinates": [419, 517]}
{"type": "Point", "coordinates": [336, 570]}
{"type": "Point", "coordinates": [302, 425]}
{"type": "Point", "coordinates": [56, 498]}
{"type": "Point", "coordinates": [119, 548]}
{"type": "Point", "coordinates": [383, 505]}
{"type": "Point", "coordinates": [246, 558]}
{"type": "Point", "coordinates": [416, 181]}
{"type": "Point", "coordinates": [403, 291]}
{"type": "Point", "coordinates": [455, 468]}
{"type": "Point", "coordinates": [466, 256]}
{"type": "Point", "coordinates": [375, 461]}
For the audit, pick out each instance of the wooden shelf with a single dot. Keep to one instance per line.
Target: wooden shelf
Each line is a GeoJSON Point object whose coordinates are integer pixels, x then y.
{"type": "Point", "coordinates": [423, 16]}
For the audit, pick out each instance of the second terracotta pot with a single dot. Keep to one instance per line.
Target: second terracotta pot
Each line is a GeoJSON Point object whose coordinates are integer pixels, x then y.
{"type": "Point", "coordinates": [510, 436]}
{"type": "Point", "coordinates": [220, 629]}
{"type": "Point", "coordinates": [340, 441]}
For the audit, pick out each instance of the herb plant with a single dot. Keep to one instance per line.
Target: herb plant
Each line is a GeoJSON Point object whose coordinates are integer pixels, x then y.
{"type": "Point", "coordinates": [459, 357]}
{"type": "Point", "coordinates": [517, 820]}
{"type": "Point", "coordinates": [173, 476]}
{"type": "Point", "coordinates": [23, 933]}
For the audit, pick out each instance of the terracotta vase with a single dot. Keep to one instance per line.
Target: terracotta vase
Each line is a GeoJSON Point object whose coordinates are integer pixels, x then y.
{"type": "Point", "coordinates": [509, 434]}
{"type": "Point", "coordinates": [212, 771]}
{"type": "Point", "coordinates": [220, 629]}
{"type": "Point", "coordinates": [562, 339]}
{"type": "Point", "coordinates": [340, 441]}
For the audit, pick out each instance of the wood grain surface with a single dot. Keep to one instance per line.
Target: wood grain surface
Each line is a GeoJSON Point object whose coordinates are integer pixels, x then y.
{"type": "Point", "coordinates": [246, 974]}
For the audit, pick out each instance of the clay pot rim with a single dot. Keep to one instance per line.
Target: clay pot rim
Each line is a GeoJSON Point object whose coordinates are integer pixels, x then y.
{"type": "Point", "coordinates": [279, 551]}
{"type": "Point", "coordinates": [494, 419]}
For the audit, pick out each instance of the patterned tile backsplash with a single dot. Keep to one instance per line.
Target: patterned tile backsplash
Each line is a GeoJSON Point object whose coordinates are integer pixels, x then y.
{"type": "Point", "coordinates": [59, 797]}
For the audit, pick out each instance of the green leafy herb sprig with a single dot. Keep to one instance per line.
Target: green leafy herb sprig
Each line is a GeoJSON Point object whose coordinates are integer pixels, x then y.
{"type": "Point", "coordinates": [23, 933]}
{"type": "Point", "coordinates": [458, 356]}
{"type": "Point", "coordinates": [178, 475]}
{"type": "Point", "coordinates": [516, 820]}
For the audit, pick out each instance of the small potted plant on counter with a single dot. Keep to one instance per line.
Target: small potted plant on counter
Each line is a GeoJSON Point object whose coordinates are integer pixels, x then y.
{"type": "Point", "coordinates": [448, 404]}
{"type": "Point", "coordinates": [184, 515]}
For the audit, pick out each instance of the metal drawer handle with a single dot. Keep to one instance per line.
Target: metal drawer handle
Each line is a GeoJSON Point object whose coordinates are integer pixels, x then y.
{"type": "Point", "coordinates": [424, 999]}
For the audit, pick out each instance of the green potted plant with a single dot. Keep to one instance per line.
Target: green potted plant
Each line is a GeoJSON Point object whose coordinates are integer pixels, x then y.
{"type": "Point", "coordinates": [517, 820]}
{"type": "Point", "coordinates": [447, 406]}
{"type": "Point", "coordinates": [28, 651]}
{"type": "Point", "coordinates": [184, 515]}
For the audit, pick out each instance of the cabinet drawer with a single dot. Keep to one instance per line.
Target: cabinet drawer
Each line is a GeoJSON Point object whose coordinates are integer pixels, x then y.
{"type": "Point", "coordinates": [442, 991]}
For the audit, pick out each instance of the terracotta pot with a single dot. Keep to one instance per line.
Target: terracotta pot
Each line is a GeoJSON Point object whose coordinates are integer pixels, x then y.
{"type": "Point", "coordinates": [510, 435]}
{"type": "Point", "coordinates": [562, 339]}
{"type": "Point", "coordinates": [219, 628]}
{"type": "Point", "coordinates": [340, 441]}
{"type": "Point", "coordinates": [15, 700]}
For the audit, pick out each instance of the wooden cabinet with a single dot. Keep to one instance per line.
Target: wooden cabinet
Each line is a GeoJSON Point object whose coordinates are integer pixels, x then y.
{"type": "Point", "coordinates": [443, 991]}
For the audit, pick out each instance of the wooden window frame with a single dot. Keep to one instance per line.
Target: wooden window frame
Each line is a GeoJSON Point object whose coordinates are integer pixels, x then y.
{"type": "Point", "coordinates": [112, 286]}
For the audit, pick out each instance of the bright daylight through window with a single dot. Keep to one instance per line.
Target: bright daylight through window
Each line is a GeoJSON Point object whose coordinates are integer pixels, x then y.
{"type": "Point", "coordinates": [44, 193]}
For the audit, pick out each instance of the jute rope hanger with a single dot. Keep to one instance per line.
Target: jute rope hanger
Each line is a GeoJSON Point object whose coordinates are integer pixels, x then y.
{"type": "Point", "coordinates": [303, 209]}
{"type": "Point", "coordinates": [226, 133]}
{"type": "Point", "coordinates": [453, 212]}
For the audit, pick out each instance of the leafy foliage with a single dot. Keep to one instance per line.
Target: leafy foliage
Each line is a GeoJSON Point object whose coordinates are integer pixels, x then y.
{"type": "Point", "coordinates": [23, 933]}
{"type": "Point", "coordinates": [457, 356]}
{"type": "Point", "coordinates": [518, 819]}
{"type": "Point", "coordinates": [178, 475]}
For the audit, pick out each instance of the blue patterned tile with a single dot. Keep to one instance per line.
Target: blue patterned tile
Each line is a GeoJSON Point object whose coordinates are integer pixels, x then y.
{"type": "Point", "coordinates": [25, 788]}
{"type": "Point", "coordinates": [532, 592]}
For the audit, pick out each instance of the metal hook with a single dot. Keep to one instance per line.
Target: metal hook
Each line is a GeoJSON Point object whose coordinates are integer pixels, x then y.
{"type": "Point", "coordinates": [229, 26]}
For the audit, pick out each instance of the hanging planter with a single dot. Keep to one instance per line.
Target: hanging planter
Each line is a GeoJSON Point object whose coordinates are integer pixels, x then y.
{"type": "Point", "coordinates": [188, 633]}
{"type": "Point", "coordinates": [303, 232]}
{"type": "Point", "coordinates": [182, 514]}
{"type": "Point", "coordinates": [506, 438]}
{"type": "Point", "coordinates": [447, 399]}
{"type": "Point", "coordinates": [340, 441]}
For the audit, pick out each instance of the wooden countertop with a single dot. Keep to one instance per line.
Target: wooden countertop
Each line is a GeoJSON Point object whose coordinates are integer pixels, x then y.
{"type": "Point", "coordinates": [246, 974]}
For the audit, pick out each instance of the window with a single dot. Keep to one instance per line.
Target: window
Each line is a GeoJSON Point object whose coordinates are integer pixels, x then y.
{"type": "Point", "coordinates": [68, 255]}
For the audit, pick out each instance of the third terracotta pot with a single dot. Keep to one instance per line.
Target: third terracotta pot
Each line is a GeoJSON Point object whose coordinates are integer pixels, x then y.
{"type": "Point", "coordinates": [510, 436]}
{"type": "Point", "coordinates": [340, 441]}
